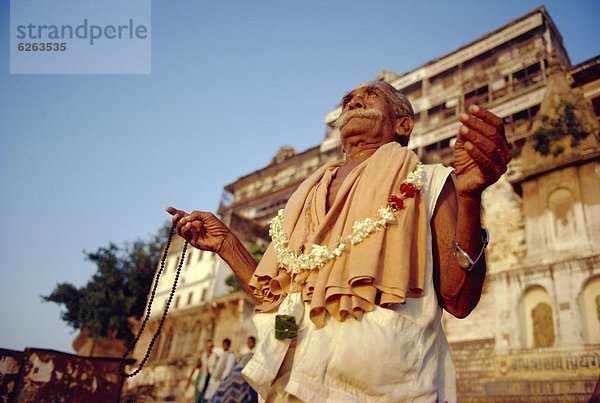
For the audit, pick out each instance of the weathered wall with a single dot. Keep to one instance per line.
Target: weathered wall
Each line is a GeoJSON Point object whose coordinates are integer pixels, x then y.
{"type": "Point", "coordinates": [537, 376]}
{"type": "Point", "coordinates": [53, 376]}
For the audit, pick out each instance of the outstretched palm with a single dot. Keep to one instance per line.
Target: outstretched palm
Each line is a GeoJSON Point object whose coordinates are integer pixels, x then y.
{"type": "Point", "coordinates": [481, 151]}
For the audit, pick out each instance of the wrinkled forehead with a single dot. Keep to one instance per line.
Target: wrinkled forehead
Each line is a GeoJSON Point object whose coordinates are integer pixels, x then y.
{"type": "Point", "coordinates": [363, 88]}
{"type": "Point", "coordinates": [368, 86]}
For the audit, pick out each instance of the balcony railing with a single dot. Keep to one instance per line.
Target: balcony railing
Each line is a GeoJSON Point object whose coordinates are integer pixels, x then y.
{"type": "Point", "coordinates": [527, 80]}
{"type": "Point", "coordinates": [440, 116]}
{"type": "Point", "coordinates": [477, 100]}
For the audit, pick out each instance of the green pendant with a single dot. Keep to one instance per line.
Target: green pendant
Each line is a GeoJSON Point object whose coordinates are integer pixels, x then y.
{"type": "Point", "coordinates": [285, 327]}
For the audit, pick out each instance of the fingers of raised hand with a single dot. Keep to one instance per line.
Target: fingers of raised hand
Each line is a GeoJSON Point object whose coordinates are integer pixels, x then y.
{"type": "Point", "coordinates": [181, 222]}
{"type": "Point", "coordinates": [483, 142]}
{"type": "Point", "coordinates": [486, 124]}
{"type": "Point", "coordinates": [198, 216]}
{"type": "Point", "coordinates": [487, 162]}
{"type": "Point", "coordinates": [194, 238]}
{"type": "Point", "coordinates": [193, 226]}
{"type": "Point", "coordinates": [462, 159]}
{"type": "Point", "coordinates": [478, 125]}
{"type": "Point", "coordinates": [185, 227]}
{"type": "Point", "coordinates": [481, 160]}
{"type": "Point", "coordinates": [486, 116]}
{"type": "Point", "coordinates": [197, 222]}
{"type": "Point", "coordinates": [482, 133]}
{"type": "Point", "coordinates": [177, 215]}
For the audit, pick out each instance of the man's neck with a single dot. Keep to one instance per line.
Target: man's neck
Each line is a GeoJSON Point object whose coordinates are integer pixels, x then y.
{"type": "Point", "coordinates": [356, 155]}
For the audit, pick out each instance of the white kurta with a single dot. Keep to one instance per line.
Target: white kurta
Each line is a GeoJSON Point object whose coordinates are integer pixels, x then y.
{"type": "Point", "coordinates": [387, 356]}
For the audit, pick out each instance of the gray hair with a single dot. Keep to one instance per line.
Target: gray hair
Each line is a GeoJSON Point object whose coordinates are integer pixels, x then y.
{"type": "Point", "coordinates": [400, 102]}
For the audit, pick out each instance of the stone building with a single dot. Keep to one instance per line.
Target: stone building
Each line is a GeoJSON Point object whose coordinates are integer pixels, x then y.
{"type": "Point", "coordinates": [259, 195]}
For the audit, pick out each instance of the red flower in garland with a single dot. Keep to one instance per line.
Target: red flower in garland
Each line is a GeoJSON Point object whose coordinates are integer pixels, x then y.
{"type": "Point", "coordinates": [396, 202]}
{"type": "Point", "coordinates": [408, 189]}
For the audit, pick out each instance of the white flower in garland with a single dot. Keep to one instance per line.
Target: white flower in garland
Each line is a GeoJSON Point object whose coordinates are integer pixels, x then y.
{"type": "Point", "coordinates": [320, 255]}
{"type": "Point", "coordinates": [416, 176]}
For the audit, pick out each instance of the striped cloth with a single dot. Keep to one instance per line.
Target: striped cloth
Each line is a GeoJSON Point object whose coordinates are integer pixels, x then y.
{"type": "Point", "coordinates": [234, 389]}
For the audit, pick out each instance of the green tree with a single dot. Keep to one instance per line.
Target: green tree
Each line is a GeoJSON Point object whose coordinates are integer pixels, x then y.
{"type": "Point", "coordinates": [554, 129]}
{"type": "Point", "coordinates": [257, 252]}
{"type": "Point", "coordinates": [233, 283]}
{"type": "Point", "coordinates": [117, 291]}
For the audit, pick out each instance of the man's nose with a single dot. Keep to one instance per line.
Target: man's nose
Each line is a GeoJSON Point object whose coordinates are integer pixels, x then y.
{"type": "Point", "coordinates": [356, 102]}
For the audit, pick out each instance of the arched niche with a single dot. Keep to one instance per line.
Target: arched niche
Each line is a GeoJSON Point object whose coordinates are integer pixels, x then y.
{"type": "Point", "coordinates": [537, 318]}
{"type": "Point", "coordinates": [566, 228]}
{"type": "Point", "coordinates": [589, 305]}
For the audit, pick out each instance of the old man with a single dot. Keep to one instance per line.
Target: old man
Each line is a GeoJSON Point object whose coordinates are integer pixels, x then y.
{"type": "Point", "coordinates": [364, 257]}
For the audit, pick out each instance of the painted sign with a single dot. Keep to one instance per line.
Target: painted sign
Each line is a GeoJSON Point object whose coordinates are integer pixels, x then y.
{"type": "Point", "coordinates": [544, 364]}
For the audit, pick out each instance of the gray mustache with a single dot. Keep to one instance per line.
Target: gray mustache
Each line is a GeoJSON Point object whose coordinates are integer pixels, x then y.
{"type": "Point", "coordinates": [362, 113]}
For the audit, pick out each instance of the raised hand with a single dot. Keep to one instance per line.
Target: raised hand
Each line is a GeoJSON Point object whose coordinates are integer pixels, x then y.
{"type": "Point", "coordinates": [202, 230]}
{"type": "Point", "coordinates": [205, 231]}
{"type": "Point", "coordinates": [481, 151]}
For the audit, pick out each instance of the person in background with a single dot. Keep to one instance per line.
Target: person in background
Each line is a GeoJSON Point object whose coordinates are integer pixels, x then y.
{"type": "Point", "coordinates": [234, 387]}
{"type": "Point", "coordinates": [248, 350]}
{"type": "Point", "coordinates": [224, 366]}
{"type": "Point", "coordinates": [203, 371]}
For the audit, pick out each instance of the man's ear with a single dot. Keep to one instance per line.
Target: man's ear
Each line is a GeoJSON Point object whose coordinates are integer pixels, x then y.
{"type": "Point", "coordinates": [404, 126]}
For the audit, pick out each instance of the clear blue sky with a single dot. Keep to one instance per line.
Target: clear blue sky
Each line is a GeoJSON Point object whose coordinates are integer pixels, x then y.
{"type": "Point", "coordinates": [90, 159]}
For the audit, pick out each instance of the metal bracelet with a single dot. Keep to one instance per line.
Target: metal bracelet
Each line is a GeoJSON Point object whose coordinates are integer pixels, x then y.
{"type": "Point", "coordinates": [463, 259]}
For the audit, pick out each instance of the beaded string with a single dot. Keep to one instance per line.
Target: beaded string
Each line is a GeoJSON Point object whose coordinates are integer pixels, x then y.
{"type": "Point", "coordinates": [149, 308]}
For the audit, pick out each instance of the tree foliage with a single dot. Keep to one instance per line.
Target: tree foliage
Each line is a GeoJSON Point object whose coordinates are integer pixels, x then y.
{"type": "Point", "coordinates": [233, 283]}
{"type": "Point", "coordinates": [554, 129]}
{"type": "Point", "coordinates": [117, 291]}
{"type": "Point", "coordinates": [257, 252]}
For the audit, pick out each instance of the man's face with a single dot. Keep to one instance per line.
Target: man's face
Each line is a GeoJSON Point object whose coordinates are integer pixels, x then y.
{"type": "Point", "coordinates": [209, 345]}
{"type": "Point", "coordinates": [250, 343]}
{"type": "Point", "coordinates": [375, 123]}
{"type": "Point", "coordinates": [226, 346]}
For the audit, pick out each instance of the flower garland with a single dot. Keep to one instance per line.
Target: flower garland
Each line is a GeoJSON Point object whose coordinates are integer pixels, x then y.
{"type": "Point", "coordinates": [320, 255]}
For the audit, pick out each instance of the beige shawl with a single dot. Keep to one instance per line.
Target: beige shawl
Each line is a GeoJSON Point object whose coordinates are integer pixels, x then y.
{"type": "Point", "coordinates": [384, 269]}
